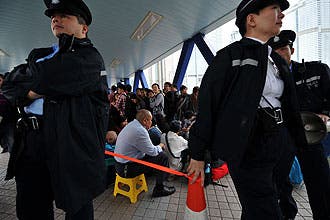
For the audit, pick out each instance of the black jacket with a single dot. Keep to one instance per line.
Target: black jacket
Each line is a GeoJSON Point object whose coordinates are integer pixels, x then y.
{"type": "Point", "coordinates": [75, 120]}
{"type": "Point", "coordinates": [313, 86]}
{"type": "Point", "coordinates": [229, 96]}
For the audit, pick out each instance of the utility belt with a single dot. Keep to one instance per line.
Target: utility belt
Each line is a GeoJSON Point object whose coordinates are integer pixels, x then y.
{"type": "Point", "coordinates": [269, 119]}
{"type": "Point", "coordinates": [29, 122]}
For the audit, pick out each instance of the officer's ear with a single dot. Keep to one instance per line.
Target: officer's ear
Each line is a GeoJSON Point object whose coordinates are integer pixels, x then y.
{"type": "Point", "coordinates": [251, 20]}
{"type": "Point", "coordinates": [85, 29]}
{"type": "Point", "coordinates": [292, 50]}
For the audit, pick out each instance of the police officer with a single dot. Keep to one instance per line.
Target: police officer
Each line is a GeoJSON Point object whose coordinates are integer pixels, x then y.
{"type": "Point", "coordinates": [313, 90]}
{"type": "Point", "coordinates": [248, 112]}
{"type": "Point", "coordinates": [60, 153]}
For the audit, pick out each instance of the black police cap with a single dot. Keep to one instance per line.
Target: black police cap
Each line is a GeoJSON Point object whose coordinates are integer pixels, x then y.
{"type": "Point", "coordinates": [249, 6]}
{"type": "Point", "coordinates": [71, 7]}
{"type": "Point", "coordinates": [284, 38]}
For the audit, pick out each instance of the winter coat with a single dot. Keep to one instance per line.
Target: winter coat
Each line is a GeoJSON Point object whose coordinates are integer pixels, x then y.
{"type": "Point", "coordinates": [229, 96]}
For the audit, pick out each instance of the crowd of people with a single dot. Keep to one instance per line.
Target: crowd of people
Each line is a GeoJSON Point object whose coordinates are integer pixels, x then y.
{"type": "Point", "coordinates": [166, 105]}
{"type": "Point", "coordinates": [172, 113]}
{"type": "Point", "coordinates": [247, 112]}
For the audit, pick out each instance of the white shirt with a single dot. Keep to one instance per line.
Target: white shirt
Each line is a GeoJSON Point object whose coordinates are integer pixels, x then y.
{"type": "Point", "coordinates": [177, 145]}
{"type": "Point", "coordinates": [274, 85]}
{"type": "Point", "coordinates": [134, 141]}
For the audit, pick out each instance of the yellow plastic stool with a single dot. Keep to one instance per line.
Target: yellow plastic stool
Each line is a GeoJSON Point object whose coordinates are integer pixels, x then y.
{"type": "Point", "coordinates": [136, 186]}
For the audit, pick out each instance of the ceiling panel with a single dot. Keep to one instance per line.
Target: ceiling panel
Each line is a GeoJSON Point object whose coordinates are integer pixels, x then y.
{"type": "Point", "coordinates": [23, 26]}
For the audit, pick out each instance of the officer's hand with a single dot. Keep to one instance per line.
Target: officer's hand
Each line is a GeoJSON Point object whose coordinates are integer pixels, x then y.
{"type": "Point", "coordinates": [324, 118]}
{"type": "Point", "coordinates": [65, 42]}
{"type": "Point", "coordinates": [33, 95]}
{"type": "Point", "coordinates": [197, 168]}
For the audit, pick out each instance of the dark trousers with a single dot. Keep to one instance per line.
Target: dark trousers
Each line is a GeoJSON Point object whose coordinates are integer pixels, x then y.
{"type": "Point", "coordinates": [7, 135]}
{"type": "Point", "coordinates": [85, 213]}
{"type": "Point", "coordinates": [131, 170]}
{"type": "Point", "coordinates": [265, 164]}
{"type": "Point", "coordinates": [315, 170]}
{"type": "Point", "coordinates": [34, 199]}
{"type": "Point", "coordinates": [287, 203]}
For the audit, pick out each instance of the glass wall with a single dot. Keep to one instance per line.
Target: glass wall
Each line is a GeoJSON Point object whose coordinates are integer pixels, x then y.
{"type": "Point", "coordinates": [310, 19]}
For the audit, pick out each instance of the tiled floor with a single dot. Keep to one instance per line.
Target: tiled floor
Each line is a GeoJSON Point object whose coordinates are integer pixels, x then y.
{"type": "Point", "coordinates": [222, 202]}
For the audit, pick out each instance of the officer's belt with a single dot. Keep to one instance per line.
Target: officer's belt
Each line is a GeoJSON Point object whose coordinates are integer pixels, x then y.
{"type": "Point", "coordinates": [269, 120]}
{"type": "Point", "coordinates": [274, 114]}
{"type": "Point", "coordinates": [30, 122]}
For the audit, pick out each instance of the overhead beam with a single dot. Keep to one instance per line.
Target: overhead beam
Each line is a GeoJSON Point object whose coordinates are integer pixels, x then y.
{"type": "Point", "coordinates": [139, 77]}
{"type": "Point", "coordinates": [181, 69]}
{"type": "Point", "coordinates": [203, 47]}
{"type": "Point", "coordinates": [186, 51]}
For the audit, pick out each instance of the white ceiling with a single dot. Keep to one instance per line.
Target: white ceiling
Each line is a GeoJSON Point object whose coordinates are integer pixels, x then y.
{"type": "Point", "coordinates": [23, 26]}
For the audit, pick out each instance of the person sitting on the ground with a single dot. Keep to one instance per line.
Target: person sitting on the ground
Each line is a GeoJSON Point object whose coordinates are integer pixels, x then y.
{"type": "Point", "coordinates": [174, 145]}
{"type": "Point", "coordinates": [188, 121]}
{"type": "Point", "coordinates": [111, 137]}
{"type": "Point", "coordinates": [134, 141]}
{"type": "Point", "coordinates": [154, 133]}
{"type": "Point", "coordinates": [162, 124]}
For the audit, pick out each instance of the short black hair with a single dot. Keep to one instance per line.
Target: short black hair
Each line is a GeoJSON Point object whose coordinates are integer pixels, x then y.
{"type": "Point", "coordinates": [174, 86]}
{"type": "Point", "coordinates": [128, 87]}
{"type": "Point", "coordinates": [175, 126]}
{"type": "Point", "coordinates": [81, 20]}
{"type": "Point", "coordinates": [155, 84]}
{"type": "Point", "coordinates": [167, 83]}
{"type": "Point", "coordinates": [121, 86]}
{"type": "Point", "coordinates": [113, 88]}
{"type": "Point", "coordinates": [195, 89]}
{"type": "Point", "coordinates": [183, 87]}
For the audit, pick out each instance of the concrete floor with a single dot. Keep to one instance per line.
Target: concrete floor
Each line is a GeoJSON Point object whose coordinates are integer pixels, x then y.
{"type": "Point", "coordinates": [222, 203]}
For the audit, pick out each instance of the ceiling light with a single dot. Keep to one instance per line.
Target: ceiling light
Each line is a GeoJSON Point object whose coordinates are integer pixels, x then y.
{"type": "Point", "coordinates": [114, 63]}
{"type": "Point", "coordinates": [146, 25]}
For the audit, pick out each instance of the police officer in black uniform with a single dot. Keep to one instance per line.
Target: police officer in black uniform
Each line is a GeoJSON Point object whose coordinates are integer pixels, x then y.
{"type": "Point", "coordinates": [248, 112]}
{"type": "Point", "coordinates": [59, 142]}
{"type": "Point", "coordinates": [312, 80]}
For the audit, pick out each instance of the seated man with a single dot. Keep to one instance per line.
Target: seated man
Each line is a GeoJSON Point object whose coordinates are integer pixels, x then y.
{"type": "Point", "coordinates": [134, 141]}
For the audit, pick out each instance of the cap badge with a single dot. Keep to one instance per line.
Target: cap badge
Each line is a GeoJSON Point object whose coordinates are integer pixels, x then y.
{"type": "Point", "coordinates": [55, 1]}
{"type": "Point", "coordinates": [276, 39]}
